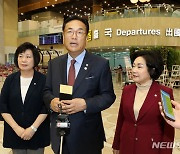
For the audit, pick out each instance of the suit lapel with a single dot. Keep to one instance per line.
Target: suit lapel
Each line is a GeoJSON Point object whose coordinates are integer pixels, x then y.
{"type": "Point", "coordinates": [17, 81]}
{"type": "Point", "coordinates": [151, 97]}
{"type": "Point", "coordinates": [85, 68]}
{"type": "Point", "coordinates": [63, 69]}
{"type": "Point", "coordinates": [32, 87]}
{"type": "Point", "coordinates": [131, 96]}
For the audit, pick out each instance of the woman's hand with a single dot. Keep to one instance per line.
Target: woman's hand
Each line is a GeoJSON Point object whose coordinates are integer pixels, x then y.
{"type": "Point", "coordinates": [19, 130]}
{"type": "Point", "coordinates": [116, 151]}
{"type": "Point", "coordinates": [28, 134]}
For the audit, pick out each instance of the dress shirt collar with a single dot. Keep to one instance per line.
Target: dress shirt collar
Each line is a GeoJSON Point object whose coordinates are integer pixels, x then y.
{"type": "Point", "coordinates": [79, 59]}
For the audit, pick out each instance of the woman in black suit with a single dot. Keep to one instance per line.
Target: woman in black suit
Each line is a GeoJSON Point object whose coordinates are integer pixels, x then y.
{"type": "Point", "coordinates": [26, 125]}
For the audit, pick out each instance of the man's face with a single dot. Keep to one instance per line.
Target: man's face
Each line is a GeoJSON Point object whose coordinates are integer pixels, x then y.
{"type": "Point", "coordinates": [74, 37]}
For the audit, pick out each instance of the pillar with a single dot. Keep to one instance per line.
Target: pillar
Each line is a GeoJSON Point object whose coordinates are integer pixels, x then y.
{"type": "Point", "coordinates": [2, 57]}
{"type": "Point", "coordinates": [10, 26]}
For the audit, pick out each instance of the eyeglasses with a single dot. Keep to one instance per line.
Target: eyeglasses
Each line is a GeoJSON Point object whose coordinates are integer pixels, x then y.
{"type": "Point", "coordinates": [79, 33]}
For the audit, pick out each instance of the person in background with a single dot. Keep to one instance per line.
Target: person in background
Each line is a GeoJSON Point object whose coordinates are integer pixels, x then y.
{"type": "Point", "coordinates": [140, 124]}
{"type": "Point", "coordinates": [118, 71]}
{"type": "Point", "coordinates": [176, 110]}
{"type": "Point", "coordinates": [26, 125]}
{"type": "Point", "coordinates": [92, 91]}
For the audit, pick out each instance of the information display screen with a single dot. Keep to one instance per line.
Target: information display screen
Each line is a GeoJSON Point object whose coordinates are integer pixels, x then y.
{"type": "Point", "coordinates": [50, 39]}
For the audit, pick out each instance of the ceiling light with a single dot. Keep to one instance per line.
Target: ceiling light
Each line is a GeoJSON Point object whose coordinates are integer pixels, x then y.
{"type": "Point", "coordinates": [142, 1]}
{"type": "Point", "coordinates": [134, 1]}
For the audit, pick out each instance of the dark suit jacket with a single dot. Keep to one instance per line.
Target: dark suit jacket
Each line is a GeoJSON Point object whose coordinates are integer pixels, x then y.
{"type": "Point", "coordinates": [94, 84]}
{"type": "Point", "coordinates": [136, 137]}
{"type": "Point", "coordinates": [24, 114]}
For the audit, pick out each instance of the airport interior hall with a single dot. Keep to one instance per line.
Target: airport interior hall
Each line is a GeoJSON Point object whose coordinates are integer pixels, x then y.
{"type": "Point", "coordinates": [117, 30]}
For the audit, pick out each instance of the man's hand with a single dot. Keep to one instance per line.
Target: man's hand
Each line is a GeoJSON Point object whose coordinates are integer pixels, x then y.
{"type": "Point", "coordinates": [73, 106]}
{"type": "Point", "coordinates": [55, 105]}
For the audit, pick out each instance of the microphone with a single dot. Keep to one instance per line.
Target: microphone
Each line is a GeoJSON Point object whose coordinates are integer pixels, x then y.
{"type": "Point", "coordinates": [62, 122]}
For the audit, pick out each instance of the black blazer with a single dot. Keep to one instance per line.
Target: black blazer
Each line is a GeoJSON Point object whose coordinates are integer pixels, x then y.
{"type": "Point", "coordinates": [94, 84]}
{"type": "Point", "coordinates": [24, 114]}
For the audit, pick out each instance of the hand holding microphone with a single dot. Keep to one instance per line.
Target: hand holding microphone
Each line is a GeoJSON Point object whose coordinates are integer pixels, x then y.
{"type": "Point", "coordinates": [55, 105]}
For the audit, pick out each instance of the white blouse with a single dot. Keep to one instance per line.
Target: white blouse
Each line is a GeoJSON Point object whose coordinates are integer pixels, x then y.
{"type": "Point", "coordinates": [25, 82]}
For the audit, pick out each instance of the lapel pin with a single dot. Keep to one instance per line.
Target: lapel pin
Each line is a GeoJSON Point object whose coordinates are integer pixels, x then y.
{"type": "Point", "coordinates": [155, 95]}
{"type": "Point", "coordinates": [85, 68]}
{"type": "Point", "coordinates": [34, 83]}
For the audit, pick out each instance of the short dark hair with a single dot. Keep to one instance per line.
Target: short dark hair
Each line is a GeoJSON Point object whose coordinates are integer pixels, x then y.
{"type": "Point", "coordinates": [22, 48]}
{"type": "Point", "coordinates": [154, 62]}
{"type": "Point", "coordinates": [83, 20]}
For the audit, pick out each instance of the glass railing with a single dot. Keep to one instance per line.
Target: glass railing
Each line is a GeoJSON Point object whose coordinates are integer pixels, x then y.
{"type": "Point", "coordinates": [147, 10]}
{"type": "Point", "coordinates": [36, 32]}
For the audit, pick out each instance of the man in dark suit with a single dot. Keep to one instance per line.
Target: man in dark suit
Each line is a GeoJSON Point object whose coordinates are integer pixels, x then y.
{"type": "Point", "coordinates": [92, 92]}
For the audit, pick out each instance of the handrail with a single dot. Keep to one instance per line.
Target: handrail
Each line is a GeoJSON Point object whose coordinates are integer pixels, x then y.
{"type": "Point", "coordinates": [147, 10]}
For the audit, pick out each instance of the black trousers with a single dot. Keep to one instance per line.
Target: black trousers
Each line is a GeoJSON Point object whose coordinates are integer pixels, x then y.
{"type": "Point", "coordinates": [65, 150]}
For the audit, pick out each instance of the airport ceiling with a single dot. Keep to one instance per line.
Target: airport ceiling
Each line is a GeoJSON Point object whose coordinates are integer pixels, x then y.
{"type": "Point", "coordinates": [77, 7]}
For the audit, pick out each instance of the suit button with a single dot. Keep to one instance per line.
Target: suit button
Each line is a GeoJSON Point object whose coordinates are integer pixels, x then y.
{"type": "Point", "coordinates": [135, 125]}
{"type": "Point", "coordinates": [136, 138]}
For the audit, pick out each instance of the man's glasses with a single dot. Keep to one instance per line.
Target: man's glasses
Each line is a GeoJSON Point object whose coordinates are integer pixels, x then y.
{"type": "Point", "coordinates": [79, 33]}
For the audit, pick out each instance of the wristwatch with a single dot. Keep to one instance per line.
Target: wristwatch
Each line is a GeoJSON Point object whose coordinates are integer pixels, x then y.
{"type": "Point", "coordinates": [33, 128]}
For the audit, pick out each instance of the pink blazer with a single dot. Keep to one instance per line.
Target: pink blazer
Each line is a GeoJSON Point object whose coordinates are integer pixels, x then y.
{"type": "Point", "coordinates": [137, 136]}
